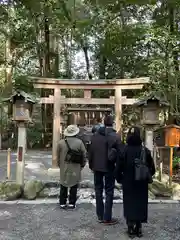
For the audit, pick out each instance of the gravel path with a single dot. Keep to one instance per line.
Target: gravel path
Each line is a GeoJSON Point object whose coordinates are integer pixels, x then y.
{"type": "Point", "coordinates": [45, 222]}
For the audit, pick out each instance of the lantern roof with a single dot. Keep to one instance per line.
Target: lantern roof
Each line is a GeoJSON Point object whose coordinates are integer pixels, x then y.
{"type": "Point", "coordinates": [151, 98]}
{"type": "Point", "coordinates": [19, 93]}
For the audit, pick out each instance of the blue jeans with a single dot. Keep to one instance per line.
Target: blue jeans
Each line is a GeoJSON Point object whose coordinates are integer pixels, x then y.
{"type": "Point", "coordinates": [104, 180]}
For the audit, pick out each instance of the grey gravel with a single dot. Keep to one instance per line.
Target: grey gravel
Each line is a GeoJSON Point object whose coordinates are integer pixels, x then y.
{"type": "Point", "coordinates": [45, 222]}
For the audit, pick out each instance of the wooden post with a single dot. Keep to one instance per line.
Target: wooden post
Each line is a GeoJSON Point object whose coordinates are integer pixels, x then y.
{"type": "Point", "coordinates": [8, 163]}
{"type": "Point", "coordinates": [87, 93]}
{"type": "Point", "coordinates": [56, 126]}
{"type": "Point", "coordinates": [160, 163]}
{"type": "Point", "coordinates": [155, 155]}
{"type": "Point", "coordinates": [160, 171]}
{"type": "Point", "coordinates": [171, 166]}
{"type": "Point", "coordinates": [118, 108]}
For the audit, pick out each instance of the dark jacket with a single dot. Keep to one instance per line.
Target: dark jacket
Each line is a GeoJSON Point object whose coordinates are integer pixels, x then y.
{"type": "Point", "coordinates": [96, 127]}
{"type": "Point", "coordinates": [98, 154]}
{"type": "Point", "coordinates": [135, 195]}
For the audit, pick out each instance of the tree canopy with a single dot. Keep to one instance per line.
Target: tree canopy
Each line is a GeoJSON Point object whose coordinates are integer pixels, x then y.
{"type": "Point", "coordinates": [91, 39]}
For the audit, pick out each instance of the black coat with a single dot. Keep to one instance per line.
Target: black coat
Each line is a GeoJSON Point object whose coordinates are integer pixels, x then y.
{"type": "Point", "coordinates": [98, 155]}
{"type": "Point", "coordinates": [135, 195]}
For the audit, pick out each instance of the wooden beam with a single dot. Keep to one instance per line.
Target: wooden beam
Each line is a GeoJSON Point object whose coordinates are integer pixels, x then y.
{"type": "Point", "coordinates": [86, 87]}
{"type": "Point", "coordinates": [82, 82]}
{"type": "Point", "coordinates": [88, 109]}
{"type": "Point", "coordinates": [51, 83]}
{"type": "Point", "coordinates": [92, 101]}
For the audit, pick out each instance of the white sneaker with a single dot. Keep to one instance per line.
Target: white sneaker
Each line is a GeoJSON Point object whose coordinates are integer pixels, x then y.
{"type": "Point", "coordinates": [63, 206]}
{"type": "Point", "coordinates": [71, 206]}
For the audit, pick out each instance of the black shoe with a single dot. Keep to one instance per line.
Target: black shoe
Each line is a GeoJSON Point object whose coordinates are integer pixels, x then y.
{"type": "Point", "coordinates": [139, 233]}
{"type": "Point", "coordinates": [138, 230]}
{"type": "Point", "coordinates": [131, 232]}
{"type": "Point", "coordinates": [113, 221]}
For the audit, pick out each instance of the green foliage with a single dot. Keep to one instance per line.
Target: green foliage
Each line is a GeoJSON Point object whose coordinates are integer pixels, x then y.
{"type": "Point", "coordinates": [176, 162]}
{"type": "Point", "coordinates": [23, 83]}
{"type": "Point", "coordinates": [34, 134]}
{"type": "Point", "coordinates": [92, 39]}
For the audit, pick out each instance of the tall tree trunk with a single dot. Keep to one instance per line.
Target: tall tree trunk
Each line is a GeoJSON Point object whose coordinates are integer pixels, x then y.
{"type": "Point", "coordinates": [9, 57]}
{"type": "Point", "coordinates": [84, 46]}
{"type": "Point", "coordinates": [173, 28]}
{"type": "Point", "coordinates": [47, 67]}
{"type": "Point", "coordinates": [55, 49]}
{"type": "Point", "coordinates": [67, 59]}
{"type": "Point", "coordinates": [47, 41]}
{"type": "Point", "coordinates": [102, 66]}
{"type": "Point", "coordinates": [85, 50]}
{"type": "Point", "coordinates": [122, 47]}
{"type": "Point", "coordinates": [39, 52]}
{"type": "Point", "coordinates": [38, 40]}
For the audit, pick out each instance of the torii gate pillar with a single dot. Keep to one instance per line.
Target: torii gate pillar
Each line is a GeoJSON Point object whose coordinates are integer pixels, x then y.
{"type": "Point", "coordinates": [118, 108]}
{"type": "Point", "coordinates": [56, 126]}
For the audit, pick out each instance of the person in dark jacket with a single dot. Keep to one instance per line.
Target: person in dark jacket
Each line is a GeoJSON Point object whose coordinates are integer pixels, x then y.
{"type": "Point", "coordinates": [97, 125]}
{"type": "Point", "coordinates": [104, 170]}
{"type": "Point", "coordinates": [135, 194]}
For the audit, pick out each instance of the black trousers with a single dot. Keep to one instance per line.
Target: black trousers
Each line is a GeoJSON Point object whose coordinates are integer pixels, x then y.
{"type": "Point", "coordinates": [64, 195]}
{"type": "Point", "coordinates": [104, 180]}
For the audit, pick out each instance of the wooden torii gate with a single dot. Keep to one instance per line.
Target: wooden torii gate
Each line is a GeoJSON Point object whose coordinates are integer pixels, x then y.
{"type": "Point", "coordinates": [87, 85]}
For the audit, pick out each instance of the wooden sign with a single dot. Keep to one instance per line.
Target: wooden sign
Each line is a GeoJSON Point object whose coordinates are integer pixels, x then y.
{"type": "Point", "coordinates": [168, 136]}
{"type": "Point", "coordinates": [21, 112]}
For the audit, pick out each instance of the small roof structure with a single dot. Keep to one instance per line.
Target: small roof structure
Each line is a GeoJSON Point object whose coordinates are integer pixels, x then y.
{"type": "Point", "coordinates": [19, 93]}
{"type": "Point", "coordinates": [151, 97]}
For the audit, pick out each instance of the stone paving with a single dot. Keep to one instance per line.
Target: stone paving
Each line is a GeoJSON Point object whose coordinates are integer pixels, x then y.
{"type": "Point", "coordinates": [37, 222]}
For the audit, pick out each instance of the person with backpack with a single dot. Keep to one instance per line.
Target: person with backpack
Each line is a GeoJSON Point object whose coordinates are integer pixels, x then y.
{"type": "Point", "coordinates": [103, 153]}
{"type": "Point", "coordinates": [72, 157]}
{"type": "Point", "coordinates": [134, 170]}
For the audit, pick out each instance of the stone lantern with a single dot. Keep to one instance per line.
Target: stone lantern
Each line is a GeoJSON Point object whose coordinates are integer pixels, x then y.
{"type": "Point", "coordinates": [150, 107]}
{"type": "Point", "coordinates": [22, 111]}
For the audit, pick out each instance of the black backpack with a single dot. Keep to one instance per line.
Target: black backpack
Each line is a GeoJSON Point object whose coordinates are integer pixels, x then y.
{"type": "Point", "coordinates": [141, 169]}
{"type": "Point", "coordinates": [74, 156]}
{"type": "Point", "coordinates": [111, 149]}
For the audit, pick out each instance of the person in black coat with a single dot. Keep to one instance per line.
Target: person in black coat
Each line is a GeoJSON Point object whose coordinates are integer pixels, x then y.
{"type": "Point", "coordinates": [135, 194]}
{"type": "Point", "coordinates": [103, 169]}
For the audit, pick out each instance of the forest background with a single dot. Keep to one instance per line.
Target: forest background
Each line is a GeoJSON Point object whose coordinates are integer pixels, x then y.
{"type": "Point", "coordinates": [89, 39]}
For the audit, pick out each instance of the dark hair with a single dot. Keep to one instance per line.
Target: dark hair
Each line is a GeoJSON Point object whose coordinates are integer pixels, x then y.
{"type": "Point", "coordinates": [134, 136]}
{"type": "Point", "coordinates": [108, 121]}
{"type": "Point", "coordinates": [98, 120]}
